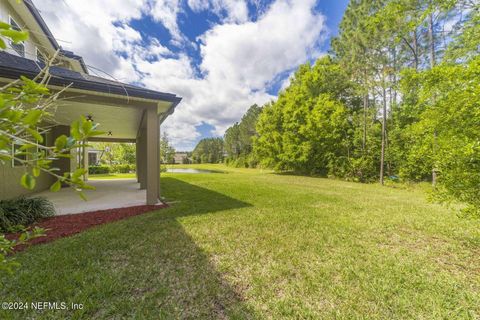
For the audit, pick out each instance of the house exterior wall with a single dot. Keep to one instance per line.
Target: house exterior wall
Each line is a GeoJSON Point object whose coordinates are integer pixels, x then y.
{"type": "Point", "coordinates": [31, 44]}
{"type": "Point", "coordinates": [10, 186]}
{"type": "Point", "coordinates": [10, 176]}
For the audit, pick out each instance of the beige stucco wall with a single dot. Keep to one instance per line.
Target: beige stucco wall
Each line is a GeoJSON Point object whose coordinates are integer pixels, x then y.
{"type": "Point", "coordinates": [10, 182]}
{"type": "Point", "coordinates": [10, 176]}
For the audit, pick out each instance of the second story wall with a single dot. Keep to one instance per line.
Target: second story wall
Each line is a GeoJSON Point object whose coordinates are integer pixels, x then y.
{"type": "Point", "coordinates": [30, 46]}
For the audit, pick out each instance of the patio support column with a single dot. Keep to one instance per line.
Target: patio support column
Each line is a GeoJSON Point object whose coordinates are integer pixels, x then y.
{"type": "Point", "coordinates": [153, 155]}
{"type": "Point", "coordinates": [137, 153]}
{"type": "Point", "coordinates": [142, 159]}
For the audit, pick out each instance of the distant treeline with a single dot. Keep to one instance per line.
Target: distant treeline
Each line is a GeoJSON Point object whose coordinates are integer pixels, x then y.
{"type": "Point", "coordinates": [208, 150]}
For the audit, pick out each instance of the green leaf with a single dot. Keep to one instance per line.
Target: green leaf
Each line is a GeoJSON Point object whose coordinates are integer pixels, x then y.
{"type": "Point", "coordinates": [56, 186]}
{"type": "Point", "coordinates": [75, 130]}
{"type": "Point", "coordinates": [27, 146]}
{"type": "Point", "coordinates": [4, 25]}
{"type": "Point", "coordinates": [86, 126]}
{"type": "Point", "coordinates": [14, 35]}
{"type": "Point", "coordinates": [60, 142]}
{"type": "Point", "coordinates": [36, 135]}
{"type": "Point", "coordinates": [32, 117]}
{"type": "Point", "coordinates": [78, 173]}
{"type": "Point", "coordinates": [28, 181]}
{"type": "Point", "coordinates": [88, 187]}
{"type": "Point", "coordinates": [36, 171]}
{"type": "Point", "coordinates": [2, 44]}
{"type": "Point", "coordinates": [82, 195]}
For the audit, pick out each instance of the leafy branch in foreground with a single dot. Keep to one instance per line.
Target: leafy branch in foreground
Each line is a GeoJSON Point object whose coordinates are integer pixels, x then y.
{"type": "Point", "coordinates": [25, 115]}
{"type": "Point", "coordinates": [7, 246]}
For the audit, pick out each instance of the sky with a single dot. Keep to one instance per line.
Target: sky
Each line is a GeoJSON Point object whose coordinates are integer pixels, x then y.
{"type": "Point", "coordinates": [220, 56]}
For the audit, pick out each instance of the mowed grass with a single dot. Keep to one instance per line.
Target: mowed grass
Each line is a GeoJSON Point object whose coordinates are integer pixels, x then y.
{"type": "Point", "coordinates": [248, 244]}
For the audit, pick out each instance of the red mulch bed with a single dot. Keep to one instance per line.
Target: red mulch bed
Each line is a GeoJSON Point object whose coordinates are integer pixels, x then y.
{"type": "Point", "coordinates": [70, 224]}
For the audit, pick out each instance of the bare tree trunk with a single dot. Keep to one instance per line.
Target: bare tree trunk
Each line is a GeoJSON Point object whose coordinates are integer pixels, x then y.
{"type": "Point", "coordinates": [365, 107]}
{"type": "Point", "coordinates": [384, 131]}
{"type": "Point", "coordinates": [415, 48]}
{"type": "Point", "coordinates": [431, 40]}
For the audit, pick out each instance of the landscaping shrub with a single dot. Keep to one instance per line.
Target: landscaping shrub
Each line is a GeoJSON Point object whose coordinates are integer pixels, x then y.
{"type": "Point", "coordinates": [117, 168]}
{"type": "Point", "coordinates": [123, 168]}
{"type": "Point", "coordinates": [23, 212]}
{"type": "Point", "coordinates": [99, 169]}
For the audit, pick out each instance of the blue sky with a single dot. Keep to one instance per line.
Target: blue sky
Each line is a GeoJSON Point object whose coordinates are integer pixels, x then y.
{"type": "Point", "coordinates": [221, 56]}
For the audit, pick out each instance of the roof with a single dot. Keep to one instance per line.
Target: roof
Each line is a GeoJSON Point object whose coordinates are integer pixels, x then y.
{"type": "Point", "coordinates": [38, 18]}
{"type": "Point", "coordinates": [12, 67]}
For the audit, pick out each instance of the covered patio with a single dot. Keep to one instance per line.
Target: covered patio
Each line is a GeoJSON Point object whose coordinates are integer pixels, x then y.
{"type": "Point", "coordinates": [109, 194]}
{"type": "Point", "coordinates": [125, 113]}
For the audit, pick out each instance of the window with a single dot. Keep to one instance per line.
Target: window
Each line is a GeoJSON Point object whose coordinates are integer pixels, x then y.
{"type": "Point", "coordinates": [18, 47]}
{"type": "Point", "coordinates": [40, 57]}
{"type": "Point", "coordinates": [18, 154]}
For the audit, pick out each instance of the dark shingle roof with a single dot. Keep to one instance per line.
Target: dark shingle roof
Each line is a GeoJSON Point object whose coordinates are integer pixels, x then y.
{"type": "Point", "coordinates": [13, 67]}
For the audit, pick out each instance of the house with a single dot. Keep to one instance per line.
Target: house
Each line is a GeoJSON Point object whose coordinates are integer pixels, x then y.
{"type": "Point", "coordinates": [94, 156]}
{"type": "Point", "coordinates": [127, 113]}
{"type": "Point", "coordinates": [180, 158]}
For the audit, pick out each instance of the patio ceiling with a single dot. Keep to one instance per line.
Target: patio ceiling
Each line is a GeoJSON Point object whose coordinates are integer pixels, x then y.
{"type": "Point", "coordinates": [122, 122]}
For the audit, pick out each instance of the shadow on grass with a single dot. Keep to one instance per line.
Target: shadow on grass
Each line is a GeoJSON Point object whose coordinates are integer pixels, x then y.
{"type": "Point", "coordinates": [189, 199]}
{"type": "Point", "coordinates": [144, 267]}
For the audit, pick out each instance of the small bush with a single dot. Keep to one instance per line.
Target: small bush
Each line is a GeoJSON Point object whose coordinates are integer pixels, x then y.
{"type": "Point", "coordinates": [122, 168]}
{"type": "Point", "coordinates": [23, 212]}
{"type": "Point", "coordinates": [98, 169]}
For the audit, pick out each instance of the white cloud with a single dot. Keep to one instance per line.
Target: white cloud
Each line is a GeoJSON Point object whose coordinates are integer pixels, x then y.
{"type": "Point", "coordinates": [253, 53]}
{"type": "Point", "coordinates": [235, 11]}
{"type": "Point", "coordinates": [95, 30]}
{"type": "Point", "coordinates": [166, 12]}
{"type": "Point", "coordinates": [239, 58]}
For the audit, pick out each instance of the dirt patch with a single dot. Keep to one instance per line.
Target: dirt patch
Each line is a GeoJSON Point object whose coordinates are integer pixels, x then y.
{"type": "Point", "coordinates": [70, 224]}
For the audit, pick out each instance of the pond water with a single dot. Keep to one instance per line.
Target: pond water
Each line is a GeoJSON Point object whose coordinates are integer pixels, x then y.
{"type": "Point", "coordinates": [188, 170]}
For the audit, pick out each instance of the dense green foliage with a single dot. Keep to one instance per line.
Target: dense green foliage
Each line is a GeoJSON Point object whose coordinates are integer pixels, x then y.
{"type": "Point", "coordinates": [449, 123]}
{"type": "Point", "coordinates": [116, 168]}
{"type": "Point", "coordinates": [23, 212]}
{"type": "Point", "coordinates": [398, 98]}
{"type": "Point", "coordinates": [100, 169]}
{"type": "Point", "coordinates": [114, 153]}
{"type": "Point", "coordinates": [248, 244]}
{"type": "Point", "coordinates": [306, 129]}
{"type": "Point", "coordinates": [208, 150]}
{"type": "Point", "coordinates": [238, 139]}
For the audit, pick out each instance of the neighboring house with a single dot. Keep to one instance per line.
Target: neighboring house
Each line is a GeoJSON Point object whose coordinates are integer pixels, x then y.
{"type": "Point", "coordinates": [180, 158]}
{"type": "Point", "coordinates": [94, 156]}
{"type": "Point", "coordinates": [127, 113]}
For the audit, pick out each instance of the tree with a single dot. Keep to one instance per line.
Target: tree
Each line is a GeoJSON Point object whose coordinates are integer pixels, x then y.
{"type": "Point", "coordinates": [449, 95]}
{"type": "Point", "coordinates": [167, 151]}
{"type": "Point", "coordinates": [238, 139]}
{"type": "Point", "coordinates": [208, 150]}
{"type": "Point", "coordinates": [307, 128]}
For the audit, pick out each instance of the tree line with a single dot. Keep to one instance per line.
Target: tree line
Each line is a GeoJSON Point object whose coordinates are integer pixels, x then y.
{"type": "Point", "coordinates": [397, 98]}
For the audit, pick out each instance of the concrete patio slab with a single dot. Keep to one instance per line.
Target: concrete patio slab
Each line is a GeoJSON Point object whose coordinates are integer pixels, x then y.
{"type": "Point", "coordinates": [109, 194]}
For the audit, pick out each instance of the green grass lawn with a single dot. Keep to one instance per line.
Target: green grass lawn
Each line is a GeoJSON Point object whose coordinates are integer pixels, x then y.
{"type": "Point", "coordinates": [248, 244]}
